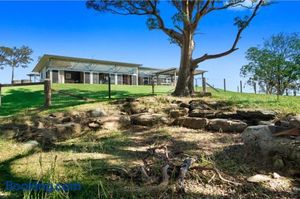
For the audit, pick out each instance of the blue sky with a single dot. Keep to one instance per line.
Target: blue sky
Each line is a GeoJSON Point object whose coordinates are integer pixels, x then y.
{"type": "Point", "coordinates": [69, 28]}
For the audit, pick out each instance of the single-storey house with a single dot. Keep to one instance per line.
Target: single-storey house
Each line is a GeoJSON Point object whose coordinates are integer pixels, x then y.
{"type": "Point", "coordinates": [62, 69]}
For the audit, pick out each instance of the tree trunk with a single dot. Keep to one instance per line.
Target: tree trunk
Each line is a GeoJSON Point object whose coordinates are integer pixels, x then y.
{"type": "Point", "coordinates": [12, 73]}
{"type": "Point", "coordinates": [184, 82]}
{"type": "Point", "coordinates": [191, 82]}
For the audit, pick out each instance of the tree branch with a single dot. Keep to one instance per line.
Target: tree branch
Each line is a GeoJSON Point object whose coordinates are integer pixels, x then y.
{"type": "Point", "coordinates": [200, 12]}
{"type": "Point", "coordinates": [236, 40]}
{"type": "Point", "coordinates": [147, 8]}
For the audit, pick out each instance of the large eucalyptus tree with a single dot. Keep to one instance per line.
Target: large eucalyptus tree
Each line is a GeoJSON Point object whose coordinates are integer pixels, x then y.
{"type": "Point", "coordinates": [186, 21]}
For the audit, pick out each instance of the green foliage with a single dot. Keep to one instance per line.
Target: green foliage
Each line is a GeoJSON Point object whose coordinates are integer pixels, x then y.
{"type": "Point", "coordinates": [15, 57]}
{"type": "Point", "coordinates": [275, 66]}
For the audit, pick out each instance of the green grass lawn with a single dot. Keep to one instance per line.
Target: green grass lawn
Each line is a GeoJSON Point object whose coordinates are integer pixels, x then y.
{"type": "Point", "coordinates": [22, 99]}
{"type": "Point", "coordinates": [286, 104]}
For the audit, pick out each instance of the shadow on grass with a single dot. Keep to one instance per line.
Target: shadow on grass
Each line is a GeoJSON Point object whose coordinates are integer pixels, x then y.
{"type": "Point", "coordinates": [7, 175]}
{"type": "Point", "coordinates": [97, 179]}
{"type": "Point", "coordinates": [24, 100]}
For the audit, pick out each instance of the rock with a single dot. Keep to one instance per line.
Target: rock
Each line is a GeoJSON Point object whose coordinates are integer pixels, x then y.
{"type": "Point", "coordinates": [265, 123]}
{"type": "Point", "coordinates": [67, 130]}
{"type": "Point", "coordinates": [175, 113]}
{"type": "Point", "coordinates": [177, 101]}
{"type": "Point", "coordinates": [202, 113]}
{"type": "Point", "coordinates": [45, 137]}
{"type": "Point", "coordinates": [94, 125]}
{"type": "Point", "coordinates": [283, 123]}
{"type": "Point", "coordinates": [39, 125]}
{"type": "Point", "coordinates": [110, 122]}
{"type": "Point", "coordinates": [258, 138]}
{"type": "Point", "coordinates": [276, 175]}
{"type": "Point", "coordinates": [179, 112]}
{"type": "Point", "coordinates": [296, 189]}
{"type": "Point", "coordinates": [173, 106]}
{"type": "Point", "coordinates": [184, 105]}
{"type": "Point", "coordinates": [125, 120]}
{"type": "Point", "coordinates": [66, 119]}
{"type": "Point", "coordinates": [98, 112]}
{"type": "Point", "coordinates": [74, 113]}
{"type": "Point", "coordinates": [199, 104]}
{"type": "Point", "coordinates": [192, 122]}
{"type": "Point", "coordinates": [294, 121]}
{"type": "Point", "coordinates": [226, 115]}
{"type": "Point", "coordinates": [256, 114]}
{"type": "Point", "coordinates": [135, 107]}
{"type": "Point", "coordinates": [146, 119]}
{"type": "Point", "coordinates": [278, 162]}
{"type": "Point", "coordinates": [56, 115]}
{"type": "Point", "coordinates": [259, 178]}
{"type": "Point", "coordinates": [31, 144]}
{"type": "Point", "coordinates": [226, 125]}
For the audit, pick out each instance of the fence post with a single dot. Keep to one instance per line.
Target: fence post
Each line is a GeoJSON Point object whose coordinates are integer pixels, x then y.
{"type": "Point", "coordinates": [152, 84]}
{"type": "Point", "coordinates": [47, 91]}
{"type": "Point", "coordinates": [204, 84]}
{"type": "Point", "coordinates": [109, 87]}
{"type": "Point", "coordinates": [238, 89]}
{"type": "Point", "coordinates": [241, 86]}
{"type": "Point", "coordinates": [224, 84]}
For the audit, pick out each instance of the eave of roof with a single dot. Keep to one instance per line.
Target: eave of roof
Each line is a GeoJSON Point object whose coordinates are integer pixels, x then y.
{"type": "Point", "coordinates": [172, 70]}
{"type": "Point", "coordinates": [149, 68]}
{"type": "Point", "coordinates": [47, 57]}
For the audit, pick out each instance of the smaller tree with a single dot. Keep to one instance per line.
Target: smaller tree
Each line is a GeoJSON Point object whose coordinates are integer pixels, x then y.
{"type": "Point", "coordinates": [275, 66]}
{"type": "Point", "coordinates": [15, 57]}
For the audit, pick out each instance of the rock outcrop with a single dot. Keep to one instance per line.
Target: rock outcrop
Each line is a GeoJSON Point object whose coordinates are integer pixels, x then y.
{"type": "Point", "coordinates": [225, 125]}
{"type": "Point", "coordinates": [281, 151]}
{"type": "Point", "coordinates": [192, 122]}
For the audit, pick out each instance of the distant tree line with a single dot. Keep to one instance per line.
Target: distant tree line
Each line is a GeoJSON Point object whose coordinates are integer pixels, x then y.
{"type": "Point", "coordinates": [274, 66]}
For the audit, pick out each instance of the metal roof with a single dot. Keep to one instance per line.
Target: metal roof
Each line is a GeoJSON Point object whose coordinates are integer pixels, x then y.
{"type": "Point", "coordinates": [47, 57]}
{"type": "Point", "coordinates": [170, 71]}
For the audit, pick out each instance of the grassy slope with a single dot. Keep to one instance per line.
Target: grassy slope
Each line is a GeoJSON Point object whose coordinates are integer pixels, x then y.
{"type": "Point", "coordinates": [286, 104]}
{"type": "Point", "coordinates": [86, 159]}
{"type": "Point", "coordinates": [20, 99]}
